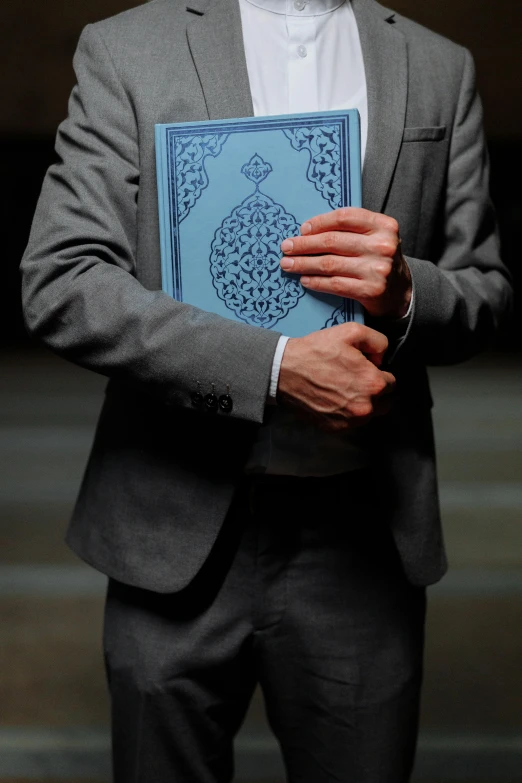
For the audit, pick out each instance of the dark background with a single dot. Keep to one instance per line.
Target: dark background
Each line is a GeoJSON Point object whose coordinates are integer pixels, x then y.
{"type": "Point", "coordinates": [37, 41]}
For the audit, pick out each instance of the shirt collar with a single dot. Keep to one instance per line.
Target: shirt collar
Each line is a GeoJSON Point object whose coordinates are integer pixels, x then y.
{"type": "Point", "coordinates": [298, 7]}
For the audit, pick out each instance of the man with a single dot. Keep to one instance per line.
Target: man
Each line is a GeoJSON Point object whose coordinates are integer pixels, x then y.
{"type": "Point", "coordinates": [287, 544]}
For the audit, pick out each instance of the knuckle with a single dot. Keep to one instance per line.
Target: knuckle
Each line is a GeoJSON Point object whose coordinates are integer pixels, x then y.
{"type": "Point", "coordinates": [367, 291]}
{"type": "Point", "coordinates": [377, 221]}
{"type": "Point", "coordinates": [362, 409]}
{"type": "Point", "coordinates": [392, 224]}
{"type": "Point", "coordinates": [355, 330]}
{"type": "Point", "coordinates": [344, 215]}
{"type": "Point", "coordinates": [390, 380]}
{"type": "Point", "coordinates": [378, 288]}
{"type": "Point", "coordinates": [384, 343]}
{"type": "Point", "coordinates": [337, 285]}
{"type": "Point", "coordinates": [327, 240]}
{"type": "Point", "coordinates": [386, 246]}
{"type": "Point", "coordinates": [328, 264]}
{"type": "Point", "coordinates": [378, 385]}
{"type": "Point", "coordinates": [384, 268]}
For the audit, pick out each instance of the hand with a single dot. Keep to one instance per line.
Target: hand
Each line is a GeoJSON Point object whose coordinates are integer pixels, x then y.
{"type": "Point", "coordinates": [353, 253]}
{"type": "Point", "coordinates": [332, 376]}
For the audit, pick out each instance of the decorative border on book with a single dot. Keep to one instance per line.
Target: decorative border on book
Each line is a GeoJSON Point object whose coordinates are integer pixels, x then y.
{"type": "Point", "coordinates": [342, 314]}
{"type": "Point", "coordinates": [324, 169]}
{"type": "Point", "coordinates": [219, 134]}
{"type": "Point", "coordinates": [191, 174]}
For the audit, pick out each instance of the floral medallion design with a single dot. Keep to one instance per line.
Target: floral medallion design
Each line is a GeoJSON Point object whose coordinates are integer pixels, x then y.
{"type": "Point", "coordinates": [246, 252]}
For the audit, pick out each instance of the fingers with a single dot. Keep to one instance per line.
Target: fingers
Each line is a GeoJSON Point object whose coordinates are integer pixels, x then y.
{"type": "Point", "coordinates": [324, 265]}
{"type": "Point", "coordinates": [342, 243]}
{"type": "Point", "coordinates": [369, 341]}
{"type": "Point", "coordinates": [381, 385]}
{"type": "Point", "coordinates": [337, 253]}
{"type": "Point", "coordinates": [381, 244]}
{"type": "Point", "coordinates": [349, 287]}
{"type": "Point", "coordinates": [353, 219]}
{"type": "Point", "coordinates": [379, 403]}
{"type": "Point", "coordinates": [333, 376]}
{"type": "Point", "coordinates": [382, 406]}
{"type": "Point", "coordinates": [390, 382]}
{"type": "Point", "coordinates": [348, 231]}
{"type": "Point", "coordinates": [360, 221]}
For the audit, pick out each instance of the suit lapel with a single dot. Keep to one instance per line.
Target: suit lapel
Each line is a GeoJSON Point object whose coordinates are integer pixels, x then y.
{"type": "Point", "coordinates": [216, 42]}
{"type": "Point", "coordinates": [386, 65]}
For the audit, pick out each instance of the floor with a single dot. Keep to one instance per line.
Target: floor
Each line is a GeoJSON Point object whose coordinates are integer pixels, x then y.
{"type": "Point", "coordinates": [54, 708]}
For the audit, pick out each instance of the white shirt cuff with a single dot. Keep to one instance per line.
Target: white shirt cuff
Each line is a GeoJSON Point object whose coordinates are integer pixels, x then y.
{"type": "Point", "coordinates": [408, 312]}
{"type": "Point", "coordinates": [276, 368]}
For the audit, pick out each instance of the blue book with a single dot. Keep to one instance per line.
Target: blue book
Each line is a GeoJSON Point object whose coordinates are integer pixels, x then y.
{"type": "Point", "coordinates": [230, 191]}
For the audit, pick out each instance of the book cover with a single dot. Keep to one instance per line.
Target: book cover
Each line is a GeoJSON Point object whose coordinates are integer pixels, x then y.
{"type": "Point", "coordinates": [230, 191]}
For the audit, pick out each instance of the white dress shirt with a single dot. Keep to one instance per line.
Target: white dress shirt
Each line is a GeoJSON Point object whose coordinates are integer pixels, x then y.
{"type": "Point", "coordinates": [303, 55]}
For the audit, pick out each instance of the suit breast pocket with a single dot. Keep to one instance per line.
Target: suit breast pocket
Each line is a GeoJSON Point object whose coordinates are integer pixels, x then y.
{"type": "Point", "coordinates": [418, 189]}
{"type": "Point", "coordinates": [437, 133]}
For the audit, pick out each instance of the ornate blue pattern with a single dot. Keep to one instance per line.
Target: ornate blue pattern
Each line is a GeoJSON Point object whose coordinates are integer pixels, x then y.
{"type": "Point", "coordinates": [246, 252]}
{"type": "Point", "coordinates": [256, 170]}
{"type": "Point", "coordinates": [324, 171]}
{"type": "Point", "coordinates": [191, 176]}
{"type": "Point", "coordinates": [338, 317]}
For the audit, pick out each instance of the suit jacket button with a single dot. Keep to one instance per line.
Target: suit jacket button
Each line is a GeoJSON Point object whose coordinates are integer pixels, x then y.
{"type": "Point", "coordinates": [211, 401]}
{"type": "Point", "coordinates": [225, 403]}
{"type": "Point", "coordinates": [196, 399]}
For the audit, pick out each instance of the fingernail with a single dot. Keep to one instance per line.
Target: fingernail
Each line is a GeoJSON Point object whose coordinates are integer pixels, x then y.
{"type": "Point", "coordinates": [287, 245]}
{"type": "Point", "coordinates": [305, 280]}
{"type": "Point", "coordinates": [287, 263]}
{"type": "Point", "coordinates": [306, 228]}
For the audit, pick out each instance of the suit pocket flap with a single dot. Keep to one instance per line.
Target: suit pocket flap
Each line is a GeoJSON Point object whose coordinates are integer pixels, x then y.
{"type": "Point", "coordinates": [424, 134]}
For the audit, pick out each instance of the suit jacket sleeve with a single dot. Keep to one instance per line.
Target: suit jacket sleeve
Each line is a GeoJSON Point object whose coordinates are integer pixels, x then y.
{"type": "Point", "coordinates": [80, 293]}
{"type": "Point", "coordinates": [463, 298]}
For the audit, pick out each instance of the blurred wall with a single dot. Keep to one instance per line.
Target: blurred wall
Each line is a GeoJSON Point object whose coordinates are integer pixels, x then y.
{"type": "Point", "coordinates": [492, 32]}
{"type": "Point", "coordinates": [37, 42]}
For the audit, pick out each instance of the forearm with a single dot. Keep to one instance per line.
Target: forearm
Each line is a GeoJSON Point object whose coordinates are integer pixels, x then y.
{"type": "Point", "coordinates": [463, 297]}
{"type": "Point", "coordinates": [456, 314]}
{"type": "Point", "coordinates": [103, 319]}
{"type": "Point", "coordinates": [81, 295]}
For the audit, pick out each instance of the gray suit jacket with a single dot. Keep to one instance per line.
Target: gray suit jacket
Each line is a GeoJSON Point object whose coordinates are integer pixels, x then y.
{"type": "Point", "coordinates": [161, 475]}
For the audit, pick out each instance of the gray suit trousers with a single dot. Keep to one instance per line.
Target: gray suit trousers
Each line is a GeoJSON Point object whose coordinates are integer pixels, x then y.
{"type": "Point", "coordinates": [303, 593]}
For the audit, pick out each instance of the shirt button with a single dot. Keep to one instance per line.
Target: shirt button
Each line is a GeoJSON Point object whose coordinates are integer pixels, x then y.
{"type": "Point", "coordinates": [302, 51]}
{"type": "Point", "coordinates": [299, 4]}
